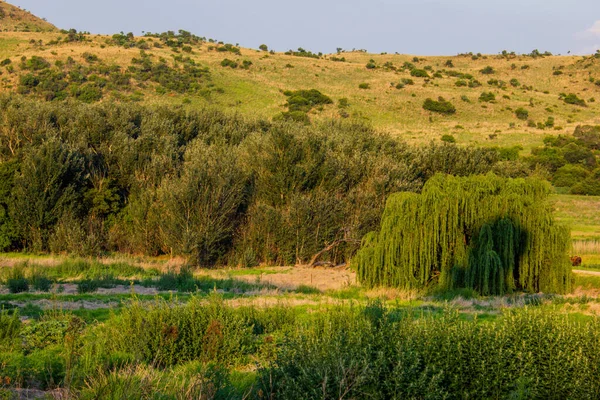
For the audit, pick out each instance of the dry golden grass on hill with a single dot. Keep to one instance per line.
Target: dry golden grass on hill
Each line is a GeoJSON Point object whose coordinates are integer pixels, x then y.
{"type": "Point", "coordinates": [257, 91]}
{"type": "Point", "coordinates": [16, 19]}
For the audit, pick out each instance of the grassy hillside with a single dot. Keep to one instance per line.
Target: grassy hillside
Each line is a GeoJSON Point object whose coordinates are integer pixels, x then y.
{"type": "Point", "coordinates": [16, 19]}
{"type": "Point", "coordinates": [535, 83]}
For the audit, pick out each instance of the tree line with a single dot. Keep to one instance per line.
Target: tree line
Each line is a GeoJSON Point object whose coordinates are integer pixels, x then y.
{"type": "Point", "coordinates": [216, 188]}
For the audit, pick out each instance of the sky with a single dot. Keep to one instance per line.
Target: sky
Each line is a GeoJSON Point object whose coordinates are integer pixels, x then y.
{"type": "Point", "coordinates": [420, 27]}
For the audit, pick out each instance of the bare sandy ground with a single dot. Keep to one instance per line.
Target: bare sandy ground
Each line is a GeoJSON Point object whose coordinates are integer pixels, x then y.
{"type": "Point", "coordinates": [291, 278]}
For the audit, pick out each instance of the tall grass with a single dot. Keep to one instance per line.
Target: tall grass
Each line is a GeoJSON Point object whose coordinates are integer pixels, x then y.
{"type": "Point", "coordinates": [590, 246]}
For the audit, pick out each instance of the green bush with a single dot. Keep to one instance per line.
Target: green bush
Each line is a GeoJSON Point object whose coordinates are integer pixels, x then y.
{"type": "Point", "coordinates": [448, 138]}
{"type": "Point", "coordinates": [229, 63]}
{"type": "Point", "coordinates": [364, 86]}
{"type": "Point", "coordinates": [487, 70]}
{"type": "Point", "coordinates": [487, 97]}
{"type": "Point", "coordinates": [441, 106]}
{"type": "Point", "coordinates": [522, 113]}
{"type": "Point", "coordinates": [88, 93]}
{"type": "Point", "coordinates": [573, 99]}
{"type": "Point", "coordinates": [569, 175]}
{"type": "Point", "coordinates": [87, 286]}
{"type": "Point", "coordinates": [263, 47]}
{"type": "Point", "coordinates": [419, 73]}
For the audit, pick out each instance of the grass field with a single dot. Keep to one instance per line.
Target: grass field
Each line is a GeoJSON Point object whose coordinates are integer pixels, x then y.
{"type": "Point", "coordinates": [133, 328]}
{"type": "Point", "coordinates": [257, 91]}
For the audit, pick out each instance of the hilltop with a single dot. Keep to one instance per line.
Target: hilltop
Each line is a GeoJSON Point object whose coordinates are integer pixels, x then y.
{"type": "Point", "coordinates": [499, 100]}
{"type": "Point", "coordinates": [15, 19]}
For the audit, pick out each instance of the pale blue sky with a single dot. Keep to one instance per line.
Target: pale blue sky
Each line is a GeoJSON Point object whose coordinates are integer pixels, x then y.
{"type": "Point", "coordinates": [425, 27]}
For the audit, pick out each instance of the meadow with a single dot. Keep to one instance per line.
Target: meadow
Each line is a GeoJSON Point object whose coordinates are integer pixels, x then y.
{"type": "Point", "coordinates": [182, 218]}
{"type": "Point", "coordinates": [142, 328]}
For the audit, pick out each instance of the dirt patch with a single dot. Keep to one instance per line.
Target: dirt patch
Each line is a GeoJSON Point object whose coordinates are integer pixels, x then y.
{"type": "Point", "coordinates": [321, 278]}
{"type": "Point", "coordinates": [584, 272]}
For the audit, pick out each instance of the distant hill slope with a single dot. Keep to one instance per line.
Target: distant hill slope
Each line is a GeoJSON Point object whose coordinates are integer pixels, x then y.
{"type": "Point", "coordinates": [499, 100]}
{"type": "Point", "coordinates": [15, 19]}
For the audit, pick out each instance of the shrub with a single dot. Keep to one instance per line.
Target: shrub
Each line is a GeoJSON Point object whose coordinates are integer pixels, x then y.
{"type": "Point", "coordinates": [522, 113]}
{"type": "Point", "coordinates": [364, 86]}
{"type": "Point", "coordinates": [87, 286]}
{"type": "Point", "coordinates": [487, 70]}
{"type": "Point", "coordinates": [306, 100]}
{"type": "Point", "coordinates": [573, 99]}
{"type": "Point", "coordinates": [35, 63]}
{"type": "Point", "coordinates": [41, 283]}
{"type": "Point", "coordinates": [407, 81]}
{"type": "Point", "coordinates": [460, 83]}
{"type": "Point", "coordinates": [229, 63]}
{"type": "Point", "coordinates": [263, 47]}
{"type": "Point", "coordinates": [90, 58]}
{"type": "Point", "coordinates": [419, 73]}
{"type": "Point", "coordinates": [487, 97]}
{"type": "Point", "coordinates": [515, 82]}
{"type": "Point", "coordinates": [17, 284]}
{"type": "Point", "coordinates": [88, 93]}
{"type": "Point", "coordinates": [448, 138]}
{"type": "Point", "coordinates": [441, 106]}
{"type": "Point", "coordinates": [569, 175]}
{"type": "Point", "coordinates": [371, 65]}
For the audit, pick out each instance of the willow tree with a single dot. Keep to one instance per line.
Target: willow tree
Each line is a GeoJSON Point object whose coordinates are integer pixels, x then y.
{"type": "Point", "coordinates": [486, 233]}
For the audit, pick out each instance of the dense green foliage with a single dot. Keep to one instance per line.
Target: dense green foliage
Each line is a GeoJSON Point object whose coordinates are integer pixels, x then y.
{"type": "Point", "coordinates": [89, 82]}
{"type": "Point", "coordinates": [572, 161]}
{"type": "Point", "coordinates": [485, 233]}
{"type": "Point", "coordinates": [218, 189]}
{"type": "Point", "coordinates": [165, 350]}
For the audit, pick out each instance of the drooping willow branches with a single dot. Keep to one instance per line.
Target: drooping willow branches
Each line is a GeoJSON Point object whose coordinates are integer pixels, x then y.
{"type": "Point", "coordinates": [486, 233]}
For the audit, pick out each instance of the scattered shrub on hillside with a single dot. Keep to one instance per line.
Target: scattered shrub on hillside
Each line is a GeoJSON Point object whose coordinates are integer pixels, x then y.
{"type": "Point", "coordinates": [441, 106]}
{"type": "Point", "coordinates": [263, 47]}
{"type": "Point", "coordinates": [35, 63]}
{"type": "Point", "coordinates": [522, 113]}
{"type": "Point", "coordinates": [364, 85]}
{"type": "Point", "coordinates": [515, 82]}
{"type": "Point", "coordinates": [487, 70]}
{"type": "Point", "coordinates": [90, 58]}
{"type": "Point", "coordinates": [487, 97]}
{"type": "Point", "coordinates": [419, 73]}
{"type": "Point", "coordinates": [573, 99]}
{"type": "Point", "coordinates": [229, 63]}
{"type": "Point", "coordinates": [303, 53]}
{"type": "Point", "coordinates": [407, 81]}
{"type": "Point", "coordinates": [371, 64]}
